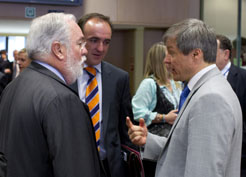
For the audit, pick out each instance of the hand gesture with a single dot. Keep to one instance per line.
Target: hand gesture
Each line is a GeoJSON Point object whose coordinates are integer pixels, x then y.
{"type": "Point", "coordinates": [137, 134]}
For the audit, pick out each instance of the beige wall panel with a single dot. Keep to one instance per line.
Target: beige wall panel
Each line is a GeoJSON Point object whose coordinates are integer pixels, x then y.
{"type": "Point", "coordinates": [116, 50]}
{"type": "Point", "coordinates": [193, 9]}
{"type": "Point", "coordinates": [139, 12]}
{"type": "Point", "coordinates": [151, 36]}
{"type": "Point", "coordinates": [106, 7]}
{"type": "Point", "coordinates": [177, 10]}
{"type": "Point", "coordinates": [121, 52]}
{"type": "Point", "coordinates": [222, 16]}
{"type": "Point", "coordinates": [156, 12]}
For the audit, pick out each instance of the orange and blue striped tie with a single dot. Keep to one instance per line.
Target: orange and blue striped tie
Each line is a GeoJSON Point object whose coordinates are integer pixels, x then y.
{"type": "Point", "coordinates": [92, 100]}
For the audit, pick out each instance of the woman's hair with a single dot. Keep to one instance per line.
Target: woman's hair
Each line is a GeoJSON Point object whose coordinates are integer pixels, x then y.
{"type": "Point", "coordinates": [154, 63]}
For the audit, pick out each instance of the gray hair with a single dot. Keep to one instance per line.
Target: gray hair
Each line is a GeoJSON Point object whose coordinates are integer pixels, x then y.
{"type": "Point", "coordinates": [193, 34]}
{"type": "Point", "coordinates": [46, 29]}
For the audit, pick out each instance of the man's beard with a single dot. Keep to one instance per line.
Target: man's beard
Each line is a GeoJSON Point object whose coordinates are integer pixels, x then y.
{"type": "Point", "coordinates": [74, 67]}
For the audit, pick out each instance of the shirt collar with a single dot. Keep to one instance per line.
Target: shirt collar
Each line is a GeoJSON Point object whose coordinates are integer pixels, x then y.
{"type": "Point", "coordinates": [198, 75]}
{"type": "Point", "coordinates": [51, 68]}
{"type": "Point", "coordinates": [225, 70]}
{"type": "Point", "coordinates": [98, 67]}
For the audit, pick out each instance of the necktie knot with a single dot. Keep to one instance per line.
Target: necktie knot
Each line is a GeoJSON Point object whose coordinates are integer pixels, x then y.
{"type": "Point", "coordinates": [91, 71]}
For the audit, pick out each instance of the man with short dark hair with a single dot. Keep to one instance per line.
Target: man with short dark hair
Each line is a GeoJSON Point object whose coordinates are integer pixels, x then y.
{"type": "Point", "coordinates": [112, 90]}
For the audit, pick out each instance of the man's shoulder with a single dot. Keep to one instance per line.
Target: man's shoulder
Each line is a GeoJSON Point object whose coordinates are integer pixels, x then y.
{"type": "Point", "coordinates": [112, 68]}
{"type": "Point", "coordinates": [45, 83]}
{"type": "Point", "coordinates": [238, 69]}
{"type": "Point", "coordinates": [238, 72]}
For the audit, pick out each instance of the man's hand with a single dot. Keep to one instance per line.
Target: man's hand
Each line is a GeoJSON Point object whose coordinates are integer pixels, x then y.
{"type": "Point", "coordinates": [137, 134]}
{"type": "Point", "coordinates": [7, 71]}
{"type": "Point", "coordinates": [171, 116]}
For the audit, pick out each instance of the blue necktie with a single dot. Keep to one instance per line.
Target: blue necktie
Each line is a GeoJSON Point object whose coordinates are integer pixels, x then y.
{"type": "Point", "coordinates": [183, 96]}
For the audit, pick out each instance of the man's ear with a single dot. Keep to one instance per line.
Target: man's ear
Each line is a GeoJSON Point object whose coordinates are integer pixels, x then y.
{"type": "Point", "coordinates": [58, 50]}
{"type": "Point", "coordinates": [227, 54]}
{"type": "Point", "coordinates": [196, 53]}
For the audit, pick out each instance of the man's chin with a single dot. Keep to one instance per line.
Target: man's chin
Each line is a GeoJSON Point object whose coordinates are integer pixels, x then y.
{"type": "Point", "coordinates": [93, 61]}
{"type": "Point", "coordinates": [176, 78]}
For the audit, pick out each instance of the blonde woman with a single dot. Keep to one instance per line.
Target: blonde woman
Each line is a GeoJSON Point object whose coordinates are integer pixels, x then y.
{"type": "Point", "coordinates": [157, 98]}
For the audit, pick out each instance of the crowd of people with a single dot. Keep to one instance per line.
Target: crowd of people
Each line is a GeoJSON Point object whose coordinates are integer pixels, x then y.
{"type": "Point", "coordinates": [10, 70]}
{"type": "Point", "coordinates": [64, 111]}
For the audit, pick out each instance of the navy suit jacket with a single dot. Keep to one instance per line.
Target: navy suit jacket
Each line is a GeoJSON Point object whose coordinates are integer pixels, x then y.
{"type": "Point", "coordinates": [116, 105]}
{"type": "Point", "coordinates": [237, 80]}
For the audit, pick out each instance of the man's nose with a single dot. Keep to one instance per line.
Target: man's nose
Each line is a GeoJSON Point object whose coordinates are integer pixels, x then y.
{"type": "Point", "coordinates": [100, 46]}
{"type": "Point", "coordinates": [167, 59]}
{"type": "Point", "coordinates": [84, 49]}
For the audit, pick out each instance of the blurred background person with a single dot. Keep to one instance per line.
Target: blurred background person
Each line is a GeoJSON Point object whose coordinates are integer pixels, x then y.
{"type": "Point", "coordinates": [157, 98]}
{"type": "Point", "coordinates": [5, 70]}
{"type": "Point", "coordinates": [23, 60]}
{"type": "Point", "coordinates": [3, 56]}
{"type": "Point", "coordinates": [5, 64]}
{"type": "Point", "coordinates": [243, 52]}
{"type": "Point", "coordinates": [236, 76]}
{"type": "Point", "coordinates": [15, 65]}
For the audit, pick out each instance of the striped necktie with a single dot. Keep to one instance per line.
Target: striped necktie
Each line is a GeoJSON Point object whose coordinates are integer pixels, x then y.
{"type": "Point", "coordinates": [92, 100]}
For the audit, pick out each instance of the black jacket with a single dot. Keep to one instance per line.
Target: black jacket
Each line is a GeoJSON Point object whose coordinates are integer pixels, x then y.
{"type": "Point", "coordinates": [45, 130]}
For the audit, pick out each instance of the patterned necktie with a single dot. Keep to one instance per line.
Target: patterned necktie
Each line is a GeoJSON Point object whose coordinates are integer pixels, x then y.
{"type": "Point", "coordinates": [183, 96]}
{"type": "Point", "coordinates": [92, 100]}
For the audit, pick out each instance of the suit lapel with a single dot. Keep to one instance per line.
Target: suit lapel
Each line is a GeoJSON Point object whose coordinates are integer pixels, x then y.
{"type": "Point", "coordinates": [106, 94]}
{"type": "Point", "coordinates": [231, 76]}
{"type": "Point", "coordinates": [74, 86]}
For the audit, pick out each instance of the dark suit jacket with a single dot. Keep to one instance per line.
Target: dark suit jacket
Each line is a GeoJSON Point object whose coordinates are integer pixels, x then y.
{"type": "Point", "coordinates": [6, 78]}
{"type": "Point", "coordinates": [237, 79]}
{"type": "Point", "coordinates": [45, 130]}
{"type": "Point", "coordinates": [116, 105]}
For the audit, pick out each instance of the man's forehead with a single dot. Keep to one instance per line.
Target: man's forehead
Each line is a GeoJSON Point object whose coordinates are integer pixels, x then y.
{"type": "Point", "coordinates": [171, 43]}
{"type": "Point", "coordinates": [96, 23]}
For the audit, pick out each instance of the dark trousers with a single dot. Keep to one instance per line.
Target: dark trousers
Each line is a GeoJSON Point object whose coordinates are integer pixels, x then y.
{"type": "Point", "coordinates": [243, 166]}
{"type": "Point", "coordinates": [106, 167]}
{"type": "Point", "coordinates": [149, 168]}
